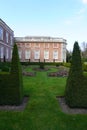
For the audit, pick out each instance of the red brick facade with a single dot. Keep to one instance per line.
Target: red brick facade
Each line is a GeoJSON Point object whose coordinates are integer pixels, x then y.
{"type": "Point", "coordinates": [46, 49]}
{"type": "Point", "coordinates": [6, 41]}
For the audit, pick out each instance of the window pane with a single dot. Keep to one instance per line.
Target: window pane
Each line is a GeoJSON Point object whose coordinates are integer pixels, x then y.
{"type": "Point", "coordinates": [1, 33]}
{"type": "Point", "coordinates": [55, 54]}
{"type": "Point", "coordinates": [37, 54]}
{"type": "Point", "coordinates": [19, 54]}
{"type": "Point", "coordinates": [2, 52]}
{"type": "Point", "coordinates": [46, 54]}
{"type": "Point", "coordinates": [7, 53]}
{"type": "Point", "coordinates": [7, 37]}
{"type": "Point", "coordinates": [11, 40]}
{"type": "Point", "coordinates": [27, 54]}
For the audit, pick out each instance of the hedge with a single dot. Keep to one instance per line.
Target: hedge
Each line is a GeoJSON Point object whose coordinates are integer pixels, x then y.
{"type": "Point", "coordinates": [9, 92]}
{"type": "Point", "coordinates": [45, 63]}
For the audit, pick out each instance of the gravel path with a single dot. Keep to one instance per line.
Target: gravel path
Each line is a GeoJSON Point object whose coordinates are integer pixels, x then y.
{"type": "Point", "coordinates": [21, 107]}
{"type": "Point", "coordinates": [66, 109]}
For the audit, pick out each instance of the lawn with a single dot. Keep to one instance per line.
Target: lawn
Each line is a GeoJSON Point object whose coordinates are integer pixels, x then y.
{"type": "Point", "coordinates": [42, 111]}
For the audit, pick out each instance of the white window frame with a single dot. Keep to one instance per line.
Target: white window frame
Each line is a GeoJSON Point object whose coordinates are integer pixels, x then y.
{"type": "Point", "coordinates": [7, 53]}
{"type": "Point", "coordinates": [37, 54]}
{"type": "Point", "coordinates": [1, 33]}
{"type": "Point", "coordinates": [2, 52]}
{"type": "Point", "coordinates": [46, 54]}
{"type": "Point", "coordinates": [11, 53]}
{"type": "Point", "coordinates": [11, 40]}
{"type": "Point", "coordinates": [27, 54]}
{"type": "Point", "coordinates": [20, 54]}
{"type": "Point", "coordinates": [7, 37]}
{"type": "Point", "coordinates": [55, 54]}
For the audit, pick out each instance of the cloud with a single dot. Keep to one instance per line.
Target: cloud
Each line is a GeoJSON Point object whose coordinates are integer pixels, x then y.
{"type": "Point", "coordinates": [81, 11]}
{"type": "Point", "coordinates": [77, 17]}
{"type": "Point", "coordinates": [84, 1]}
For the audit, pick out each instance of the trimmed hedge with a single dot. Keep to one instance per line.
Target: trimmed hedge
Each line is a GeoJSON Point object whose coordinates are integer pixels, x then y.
{"type": "Point", "coordinates": [5, 66]}
{"type": "Point", "coordinates": [45, 63]}
{"type": "Point", "coordinates": [9, 92]}
{"type": "Point", "coordinates": [76, 86]}
{"type": "Point", "coordinates": [41, 64]}
{"type": "Point", "coordinates": [11, 85]}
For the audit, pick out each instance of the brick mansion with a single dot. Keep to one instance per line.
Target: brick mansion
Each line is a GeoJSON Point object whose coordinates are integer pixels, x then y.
{"type": "Point", "coordinates": [31, 48]}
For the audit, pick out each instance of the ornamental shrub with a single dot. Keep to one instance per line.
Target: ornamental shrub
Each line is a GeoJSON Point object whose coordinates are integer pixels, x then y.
{"type": "Point", "coordinates": [76, 86]}
{"type": "Point", "coordinates": [16, 73]}
{"type": "Point", "coordinates": [11, 85]}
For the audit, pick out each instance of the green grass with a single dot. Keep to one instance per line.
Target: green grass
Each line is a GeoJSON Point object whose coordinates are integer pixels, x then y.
{"type": "Point", "coordinates": [42, 111]}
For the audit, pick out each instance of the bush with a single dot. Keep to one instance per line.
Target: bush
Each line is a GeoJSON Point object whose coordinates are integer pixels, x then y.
{"type": "Point", "coordinates": [67, 64]}
{"type": "Point", "coordinates": [41, 64]}
{"type": "Point", "coordinates": [85, 67]}
{"type": "Point", "coordinates": [76, 86]}
{"type": "Point", "coordinates": [5, 68]}
{"type": "Point", "coordinates": [5, 65]}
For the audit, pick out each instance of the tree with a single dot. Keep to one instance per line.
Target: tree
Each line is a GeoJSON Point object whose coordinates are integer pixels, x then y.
{"type": "Point", "coordinates": [84, 51]}
{"type": "Point", "coordinates": [75, 88]}
{"type": "Point", "coordinates": [16, 73]}
{"type": "Point", "coordinates": [11, 85]}
{"type": "Point", "coordinates": [68, 56]}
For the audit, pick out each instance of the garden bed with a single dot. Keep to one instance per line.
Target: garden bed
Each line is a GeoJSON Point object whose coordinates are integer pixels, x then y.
{"type": "Point", "coordinates": [61, 73]}
{"type": "Point", "coordinates": [30, 74]}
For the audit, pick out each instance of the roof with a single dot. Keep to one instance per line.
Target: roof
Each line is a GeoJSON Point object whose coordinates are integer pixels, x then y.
{"type": "Point", "coordinates": [39, 39]}
{"type": "Point", "coordinates": [4, 25]}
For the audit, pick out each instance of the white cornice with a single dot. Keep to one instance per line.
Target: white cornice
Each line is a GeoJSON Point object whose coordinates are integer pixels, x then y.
{"type": "Point", "coordinates": [39, 39]}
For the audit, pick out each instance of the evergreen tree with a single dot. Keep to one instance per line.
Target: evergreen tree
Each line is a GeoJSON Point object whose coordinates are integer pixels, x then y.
{"type": "Point", "coordinates": [16, 73]}
{"type": "Point", "coordinates": [76, 90]}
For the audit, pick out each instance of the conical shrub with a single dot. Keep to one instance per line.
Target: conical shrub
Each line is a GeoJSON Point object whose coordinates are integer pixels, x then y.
{"type": "Point", "coordinates": [11, 85]}
{"type": "Point", "coordinates": [16, 73]}
{"type": "Point", "coordinates": [76, 89]}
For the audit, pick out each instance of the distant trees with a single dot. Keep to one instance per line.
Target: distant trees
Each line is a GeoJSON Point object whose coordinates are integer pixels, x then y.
{"type": "Point", "coordinates": [84, 51]}
{"type": "Point", "coordinates": [68, 56]}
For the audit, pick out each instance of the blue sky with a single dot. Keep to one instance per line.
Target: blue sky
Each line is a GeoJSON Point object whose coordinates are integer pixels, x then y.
{"type": "Point", "coordinates": [57, 18]}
